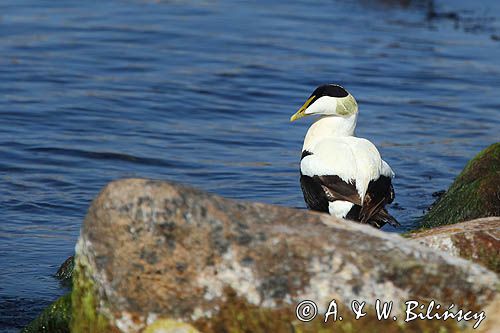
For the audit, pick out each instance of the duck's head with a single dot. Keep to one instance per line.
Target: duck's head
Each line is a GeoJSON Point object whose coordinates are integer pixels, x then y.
{"type": "Point", "coordinates": [328, 100]}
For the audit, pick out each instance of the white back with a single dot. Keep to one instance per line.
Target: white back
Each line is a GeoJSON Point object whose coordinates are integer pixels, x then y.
{"type": "Point", "coordinates": [350, 158]}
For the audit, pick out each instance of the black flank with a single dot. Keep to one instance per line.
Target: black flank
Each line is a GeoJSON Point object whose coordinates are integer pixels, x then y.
{"type": "Point", "coordinates": [379, 193]}
{"type": "Point", "coordinates": [320, 190]}
{"type": "Point", "coordinates": [314, 195]}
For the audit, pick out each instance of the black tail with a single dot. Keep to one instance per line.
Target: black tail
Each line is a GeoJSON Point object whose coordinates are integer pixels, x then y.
{"type": "Point", "coordinates": [381, 218]}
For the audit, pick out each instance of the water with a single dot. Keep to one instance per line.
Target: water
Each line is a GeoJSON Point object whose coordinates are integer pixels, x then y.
{"type": "Point", "coordinates": [201, 93]}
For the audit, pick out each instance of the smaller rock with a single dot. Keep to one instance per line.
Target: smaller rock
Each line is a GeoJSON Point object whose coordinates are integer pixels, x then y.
{"type": "Point", "coordinates": [474, 194]}
{"type": "Point", "coordinates": [65, 272]}
{"type": "Point", "coordinates": [476, 240]}
{"type": "Point", "coordinates": [54, 319]}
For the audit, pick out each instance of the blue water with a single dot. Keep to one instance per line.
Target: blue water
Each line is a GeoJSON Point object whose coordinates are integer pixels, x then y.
{"type": "Point", "coordinates": [201, 93]}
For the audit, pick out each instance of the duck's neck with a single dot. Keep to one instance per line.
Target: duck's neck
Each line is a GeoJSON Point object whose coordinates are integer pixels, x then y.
{"type": "Point", "coordinates": [329, 126]}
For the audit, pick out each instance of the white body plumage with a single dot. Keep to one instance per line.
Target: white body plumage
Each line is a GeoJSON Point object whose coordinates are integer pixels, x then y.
{"type": "Point", "coordinates": [336, 151]}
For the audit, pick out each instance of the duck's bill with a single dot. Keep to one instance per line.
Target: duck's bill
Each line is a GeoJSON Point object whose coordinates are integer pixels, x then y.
{"type": "Point", "coordinates": [302, 111]}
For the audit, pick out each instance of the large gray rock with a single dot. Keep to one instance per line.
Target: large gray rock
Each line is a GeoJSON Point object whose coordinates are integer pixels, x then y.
{"type": "Point", "coordinates": [158, 257]}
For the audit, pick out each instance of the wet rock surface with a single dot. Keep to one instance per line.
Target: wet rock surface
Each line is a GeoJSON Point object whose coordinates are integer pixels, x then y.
{"type": "Point", "coordinates": [152, 252]}
{"type": "Point", "coordinates": [476, 240]}
{"type": "Point", "coordinates": [475, 192]}
{"type": "Point", "coordinates": [54, 319]}
{"type": "Point", "coordinates": [65, 271]}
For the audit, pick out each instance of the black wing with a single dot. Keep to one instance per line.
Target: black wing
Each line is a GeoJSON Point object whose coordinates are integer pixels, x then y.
{"type": "Point", "coordinates": [379, 193]}
{"type": "Point", "coordinates": [320, 190]}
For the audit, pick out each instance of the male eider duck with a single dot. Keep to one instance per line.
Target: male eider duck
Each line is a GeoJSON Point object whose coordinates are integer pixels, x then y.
{"type": "Point", "coordinates": [339, 173]}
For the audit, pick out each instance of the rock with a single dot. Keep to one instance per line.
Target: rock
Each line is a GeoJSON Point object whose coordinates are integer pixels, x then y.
{"type": "Point", "coordinates": [54, 319]}
{"type": "Point", "coordinates": [153, 254]}
{"type": "Point", "coordinates": [65, 271]}
{"type": "Point", "coordinates": [474, 194]}
{"type": "Point", "coordinates": [493, 324]}
{"type": "Point", "coordinates": [170, 326]}
{"type": "Point", "coordinates": [477, 240]}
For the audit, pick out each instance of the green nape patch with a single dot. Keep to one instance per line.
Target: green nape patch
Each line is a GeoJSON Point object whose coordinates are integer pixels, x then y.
{"type": "Point", "coordinates": [54, 319]}
{"type": "Point", "coordinates": [473, 194]}
{"type": "Point", "coordinates": [238, 316]}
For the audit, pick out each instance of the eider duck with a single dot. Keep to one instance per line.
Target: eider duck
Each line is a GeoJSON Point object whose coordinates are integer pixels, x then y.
{"type": "Point", "coordinates": [339, 173]}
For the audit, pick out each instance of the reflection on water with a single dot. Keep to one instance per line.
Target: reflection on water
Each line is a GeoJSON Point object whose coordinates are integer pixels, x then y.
{"type": "Point", "coordinates": [202, 94]}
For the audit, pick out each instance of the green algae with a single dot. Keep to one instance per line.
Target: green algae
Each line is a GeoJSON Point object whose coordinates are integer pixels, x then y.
{"type": "Point", "coordinates": [54, 319]}
{"type": "Point", "coordinates": [85, 315]}
{"type": "Point", "coordinates": [474, 193]}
